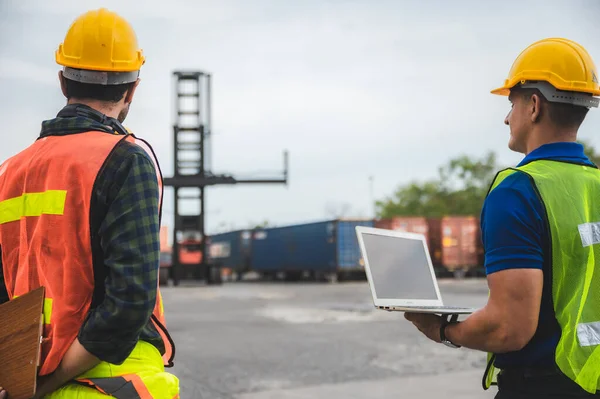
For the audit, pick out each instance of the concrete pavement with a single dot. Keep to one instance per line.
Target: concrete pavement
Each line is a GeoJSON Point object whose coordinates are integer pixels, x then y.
{"type": "Point", "coordinates": [463, 385]}
{"type": "Point", "coordinates": [259, 340]}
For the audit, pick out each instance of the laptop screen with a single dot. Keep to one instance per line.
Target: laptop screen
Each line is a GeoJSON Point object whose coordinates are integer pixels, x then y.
{"type": "Point", "coordinates": [399, 267]}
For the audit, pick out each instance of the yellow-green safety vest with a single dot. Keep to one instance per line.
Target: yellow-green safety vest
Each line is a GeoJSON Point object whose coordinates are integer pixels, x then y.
{"type": "Point", "coordinates": [570, 195]}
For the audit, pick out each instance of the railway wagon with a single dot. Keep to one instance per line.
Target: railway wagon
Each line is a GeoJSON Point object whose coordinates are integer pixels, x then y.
{"type": "Point", "coordinates": [230, 251]}
{"type": "Point", "coordinates": [409, 224]}
{"type": "Point", "coordinates": [327, 249]}
{"type": "Point", "coordinates": [455, 244]}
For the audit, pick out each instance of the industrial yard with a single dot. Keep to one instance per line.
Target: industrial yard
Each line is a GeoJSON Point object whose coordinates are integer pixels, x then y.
{"type": "Point", "coordinates": [254, 340]}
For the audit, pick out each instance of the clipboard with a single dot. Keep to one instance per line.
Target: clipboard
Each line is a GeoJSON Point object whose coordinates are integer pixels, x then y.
{"type": "Point", "coordinates": [20, 343]}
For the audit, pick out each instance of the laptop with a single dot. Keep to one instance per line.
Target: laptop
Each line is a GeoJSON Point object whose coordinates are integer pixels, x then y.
{"type": "Point", "coordinates": [400, 272]}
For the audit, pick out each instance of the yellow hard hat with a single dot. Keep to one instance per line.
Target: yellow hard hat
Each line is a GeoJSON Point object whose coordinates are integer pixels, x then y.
{"type": "Point", "coordinates": [100, 47]}
{"type": "Point", "coordinates": [555, 66]}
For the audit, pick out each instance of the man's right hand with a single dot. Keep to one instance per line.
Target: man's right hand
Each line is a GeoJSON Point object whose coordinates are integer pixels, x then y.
{"type": "Point", "coordinates": [3, 394]}
{"type": "Point", "coordinates": [76, 361]}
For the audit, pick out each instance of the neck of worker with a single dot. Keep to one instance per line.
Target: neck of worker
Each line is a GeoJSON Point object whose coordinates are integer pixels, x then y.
{"type": "Point", "coordinates": [109, 109]}
{"type": "Point", "coordinates": [547, 134]}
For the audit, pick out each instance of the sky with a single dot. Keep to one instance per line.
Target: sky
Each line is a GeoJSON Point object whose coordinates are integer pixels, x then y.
{"type": "Point", "coordinates": [352, 89]}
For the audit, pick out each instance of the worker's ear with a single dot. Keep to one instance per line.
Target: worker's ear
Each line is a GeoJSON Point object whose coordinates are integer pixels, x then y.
{"type": "Point", "coordinates": [129, 94]}
{"type": "Point", "coordinates": [63, 85]}
{"type": "Point", "coordinates": [535, 108]}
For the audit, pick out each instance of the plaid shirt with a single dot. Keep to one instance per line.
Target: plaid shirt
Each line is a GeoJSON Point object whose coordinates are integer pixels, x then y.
{"type": "Point", "coordinates": [125, 226]}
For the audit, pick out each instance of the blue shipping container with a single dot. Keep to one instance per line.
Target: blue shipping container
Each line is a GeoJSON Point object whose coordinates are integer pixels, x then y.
{"type": "Point", "coordinates": [230, 250]}
{"type": "Point", "coordinates": [328, 246]}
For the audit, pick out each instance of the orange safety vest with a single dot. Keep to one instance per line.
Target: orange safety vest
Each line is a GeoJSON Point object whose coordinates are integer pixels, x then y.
{"type": "Point", "coordinates": [45, 237]}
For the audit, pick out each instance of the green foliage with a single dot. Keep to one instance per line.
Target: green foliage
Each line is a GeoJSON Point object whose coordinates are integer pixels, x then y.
{"type": "Point", "coordinates": [590, 152]}
{"type": "Point", "coordinates": [460, 189]}
{"type": "Point", "coordinates": [262, 225]}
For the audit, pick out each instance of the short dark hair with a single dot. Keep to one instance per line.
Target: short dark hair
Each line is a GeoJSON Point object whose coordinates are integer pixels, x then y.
{"type": "Point", "coordinates": [87, 91]}
{"type": "Point", "coordinates": [561, 114]}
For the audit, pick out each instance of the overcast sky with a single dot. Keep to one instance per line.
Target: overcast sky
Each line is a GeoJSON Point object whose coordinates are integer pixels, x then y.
{"type": "Point", "coordinates": [390, 89]}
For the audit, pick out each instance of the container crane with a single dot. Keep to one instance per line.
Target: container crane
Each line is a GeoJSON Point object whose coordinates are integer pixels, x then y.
{"type": "Point", "coordinates": [192, 174]}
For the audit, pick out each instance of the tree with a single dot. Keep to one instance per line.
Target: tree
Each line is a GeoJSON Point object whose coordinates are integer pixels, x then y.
{"type": "Point", "coordinates": [460, 189]}
{"type": "Point", "coordinates": [466, 173]}
{"type": "Point", "coordinates": [590, 152]}
{"type": "Point", "coordinates": [262, 225]}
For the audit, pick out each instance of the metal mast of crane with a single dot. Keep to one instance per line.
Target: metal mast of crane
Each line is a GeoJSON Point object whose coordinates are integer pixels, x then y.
{"type": "Point", "coordinates": [192, 170]}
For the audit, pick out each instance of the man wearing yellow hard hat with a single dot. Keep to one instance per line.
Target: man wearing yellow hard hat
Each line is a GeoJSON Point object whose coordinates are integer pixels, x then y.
{"type": "Point", "coordinates": [541, 233]}
{"type": "Point", "coordinates": [80, 215]}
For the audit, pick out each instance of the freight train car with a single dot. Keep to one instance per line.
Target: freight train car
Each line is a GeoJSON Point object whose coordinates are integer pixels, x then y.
{"type": "Point", "coordinates": [327, 249]}
{"type": "Point", "coordinates": [230, 251]}
{"type": "Point", "coordinates": [455, 244]}
{"type": "Point", "coordinates": [454, 241]}
{"type": "Point", "coordinates": [409, 224]}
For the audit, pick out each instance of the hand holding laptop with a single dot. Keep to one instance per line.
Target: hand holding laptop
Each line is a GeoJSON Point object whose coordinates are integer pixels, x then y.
{"type": "Point", "coordinates": [401, 278]}
{"type": "Point", "coordinates": [428, 324]}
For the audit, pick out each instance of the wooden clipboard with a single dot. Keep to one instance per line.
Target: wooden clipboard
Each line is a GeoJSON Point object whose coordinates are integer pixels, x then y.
{"type": "Point", "coordinates": [21, 330]}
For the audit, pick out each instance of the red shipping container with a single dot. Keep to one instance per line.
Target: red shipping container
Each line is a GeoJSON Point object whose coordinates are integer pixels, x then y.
{"type": "Point", "coordinates": [454, 242]}
{"type": "Point", "coordinates": [409, 224]}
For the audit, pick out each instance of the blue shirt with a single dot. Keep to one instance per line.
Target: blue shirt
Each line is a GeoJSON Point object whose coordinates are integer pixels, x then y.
{"type": "Point", "coordinates": [515, 236]}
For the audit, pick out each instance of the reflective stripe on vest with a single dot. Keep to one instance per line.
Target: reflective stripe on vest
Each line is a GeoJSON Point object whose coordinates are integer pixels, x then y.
{"type": "Point", "coordinates": [123, 387]}
{"type": "Point", "coordinates": [51, 202]}
{"type": "Point", "coordinates": [569, 194]}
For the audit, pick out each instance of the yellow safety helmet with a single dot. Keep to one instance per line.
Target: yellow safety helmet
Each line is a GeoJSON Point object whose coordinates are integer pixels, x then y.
{"type": "Point", "coordinates": [100, 48]}
{"type": "Point", "coordinates": [561, 69]}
